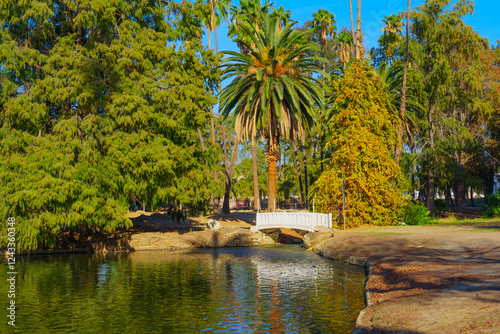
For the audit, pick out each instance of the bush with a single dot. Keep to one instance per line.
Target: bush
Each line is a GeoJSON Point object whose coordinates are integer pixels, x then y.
{"type": "Point", "coordinates": [440, 205]}
{"type": "Point", "coordinates": [492, 209]}
{"type": "Point", "coordinates": [415, 214]}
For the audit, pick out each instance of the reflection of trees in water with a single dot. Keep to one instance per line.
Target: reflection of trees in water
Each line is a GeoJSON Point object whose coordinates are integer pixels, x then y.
{"type": "Point", "coordinates": [174, 292]}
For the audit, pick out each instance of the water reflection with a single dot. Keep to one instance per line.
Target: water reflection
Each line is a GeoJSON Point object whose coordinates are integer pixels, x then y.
{"type": "Point", "coordinates": [245, 290]}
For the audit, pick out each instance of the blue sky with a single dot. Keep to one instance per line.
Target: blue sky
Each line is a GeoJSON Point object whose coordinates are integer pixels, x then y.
{"type": "Point", "coordinates": [485, 19]}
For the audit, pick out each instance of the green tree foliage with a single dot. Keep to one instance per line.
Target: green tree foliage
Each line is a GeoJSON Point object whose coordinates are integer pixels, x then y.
{"type": "Point", "coordinates": [362, 132]}
{"type": "Point", "coordinates": [242, 178]}
{"type": "Point", "coordinates": [449, 81]}
{"type": "Point", "coordinates": [99, 108]}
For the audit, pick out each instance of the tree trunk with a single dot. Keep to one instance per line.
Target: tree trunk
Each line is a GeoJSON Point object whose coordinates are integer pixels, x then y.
{"type": "Point", "coordinates": [461, 190]}
{"type": "Point", "coordinates": [430, 171]}
{"type": "Point", "coordinates": [216, 42]}
{"type": "Point", "coordinates": [272, 157]}
{"type": "Point", "coordinates": [431, 191]}
{"type": "Point", "coordinates": [359, 43]}
{"type": "Point", "coordinates": [209, 38]}
{"type": "Point", "coordinates": [256, 197]}
{"type": "Point", "coordinates": [229, 177]}
{"type": "Point", "coordinates": [214, 202]}
{"type": "Point", "coordinates": [297, 164]}
{"type": "Point", "coordinates": [352, 28]}
{"type": "Point", "coordinates": [306, 185]}
{"type": "Point", "coordinates": [471, 197]}
{"type": "Point", "coordinates": [447, 195]}
{"type": "Point", "coordinates": [421, 194]}
{"type": "Point", "coordinates": [403, 91]}
{"type": "Point", "coordinates": [213, 199]}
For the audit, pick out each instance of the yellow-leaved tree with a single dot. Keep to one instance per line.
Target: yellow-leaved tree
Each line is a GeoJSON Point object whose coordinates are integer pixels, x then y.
{"type": "Point", "coordinates": [362, 132]}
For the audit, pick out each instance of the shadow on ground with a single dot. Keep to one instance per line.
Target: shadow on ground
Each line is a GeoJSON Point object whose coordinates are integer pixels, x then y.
{"type": "Point", "coordinates": [362, 330]}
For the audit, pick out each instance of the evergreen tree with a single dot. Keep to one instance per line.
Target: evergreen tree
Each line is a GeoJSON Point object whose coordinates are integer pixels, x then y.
{"type": "Point", "coordinates": [362, 131]}
{"type": "Point", "coordinates": [101, 102]}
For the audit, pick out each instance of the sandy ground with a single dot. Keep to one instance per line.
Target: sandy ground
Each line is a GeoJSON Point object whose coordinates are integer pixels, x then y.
{"type": "Point", "coordinates": [425, 279]}
{"type": "Point", "coordinates": [157, 231]}
{"type": "Point", "coordinates": [145, 221]}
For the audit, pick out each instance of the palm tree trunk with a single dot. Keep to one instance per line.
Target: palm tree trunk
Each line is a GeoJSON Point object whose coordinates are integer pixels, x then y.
{"type": "Point", "coordinates": [297, 164]}
{"type": "Point", "coordinates": [321, 157]}
{"type": "Point", "coordinates": [229, 177]}
{"type": "Point", "coordinates": [359, 45]}
{"type": "Point", "coordinates": [324, 94]}
{"type": "Point", "coordinates": [209, 38]}
{"type": "Point", "coordinates": [352, 27]}
{"type": "Point", "coordinates": [256, 198]}
{"type": "Point", "coordinates": [403, 91]}
{"type": "Point", "coordinates": [306, 185]}
{"type": "Point", "coordinates": [272, 156]}
{"type": "Point", "coordinates": [216, 42]}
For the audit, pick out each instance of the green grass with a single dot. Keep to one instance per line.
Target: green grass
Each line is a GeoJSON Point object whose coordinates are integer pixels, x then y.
{"type": "Point", "coordinates": [446, 221]}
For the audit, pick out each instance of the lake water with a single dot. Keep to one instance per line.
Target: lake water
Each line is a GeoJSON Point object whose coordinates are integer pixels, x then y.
{"type": "Point", "coordinates": [229, 290]}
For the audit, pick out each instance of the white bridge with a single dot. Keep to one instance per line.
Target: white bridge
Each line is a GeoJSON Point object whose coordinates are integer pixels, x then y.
{"type": "Point", "coordinates": [296, 220]}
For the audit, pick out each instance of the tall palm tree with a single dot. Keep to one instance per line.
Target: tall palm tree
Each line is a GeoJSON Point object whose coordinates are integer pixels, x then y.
{"type": "Point", "coordinates": [324, 24]}
{"type": "Point", "coordinates": [393, 24]}
{"type": "Point", "coordinates": [390, 39]}
{"type": "Point", "coordinates": [272, 89]}
{"type": "Point", "coordinates": [215, 13]}
{"type": "Point", "coordinates": [352, 24]}
{"type": "Point", "coordinates": [249, 11]}
{"type": "Point", "coordinates": [252, 11]}
{"type": "Point", "coordinates": [344, 44]}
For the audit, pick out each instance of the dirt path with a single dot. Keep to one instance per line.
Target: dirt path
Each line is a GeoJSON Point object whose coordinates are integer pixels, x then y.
{"type": "Point", "coordinates": [425, 279]}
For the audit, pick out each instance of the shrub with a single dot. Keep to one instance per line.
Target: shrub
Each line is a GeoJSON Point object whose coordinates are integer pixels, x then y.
{"type": "Point", "coordinates": [440, 205]}
{"type": "Point", "coordinates": [492, 209]}
{"type": "Point", "coordinates": [415, 214]}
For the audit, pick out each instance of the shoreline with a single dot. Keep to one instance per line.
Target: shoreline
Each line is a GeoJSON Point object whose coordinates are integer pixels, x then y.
{"type": "Point", "coordinates": [424, 279]}
{"type": "Point", "coordinates": [420, 279]}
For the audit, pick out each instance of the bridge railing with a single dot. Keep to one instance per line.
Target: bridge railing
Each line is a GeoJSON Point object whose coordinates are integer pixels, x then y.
{"type": "Point", "coordinates": [295, 220]}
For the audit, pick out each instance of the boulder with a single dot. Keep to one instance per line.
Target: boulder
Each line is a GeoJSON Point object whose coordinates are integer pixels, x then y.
{"type": "Point", "coordinates": [213, 225]}
{"type": "Point", "coordinates": [315, 238]}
